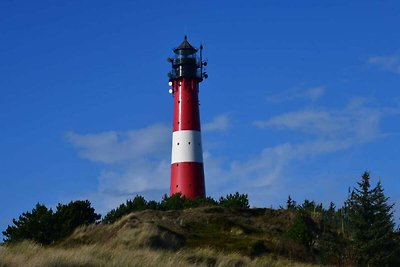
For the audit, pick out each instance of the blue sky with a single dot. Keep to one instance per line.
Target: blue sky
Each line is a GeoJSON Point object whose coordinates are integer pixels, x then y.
{"type": "Point", "coordinates": [302, 98]}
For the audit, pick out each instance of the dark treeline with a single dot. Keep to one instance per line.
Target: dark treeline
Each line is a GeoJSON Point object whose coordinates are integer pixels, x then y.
{"type": "Point", "coordinates": [176, 202]}
{"type": "Point", "coordinates": [44, 226]}
{"type": "Point", "coordinates": [360, 233]}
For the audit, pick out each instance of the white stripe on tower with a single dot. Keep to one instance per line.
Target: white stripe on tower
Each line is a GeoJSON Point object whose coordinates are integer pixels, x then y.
{"type": "Point", "coordinates": [186, 146]}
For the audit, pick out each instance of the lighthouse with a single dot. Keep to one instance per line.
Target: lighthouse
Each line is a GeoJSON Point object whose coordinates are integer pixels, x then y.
{"type": "Point", "coordinates": [187, 170]}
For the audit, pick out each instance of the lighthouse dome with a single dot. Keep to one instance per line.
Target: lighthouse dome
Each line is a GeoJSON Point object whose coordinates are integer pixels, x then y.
{"type": "Point", "coordinates": [185, 48]}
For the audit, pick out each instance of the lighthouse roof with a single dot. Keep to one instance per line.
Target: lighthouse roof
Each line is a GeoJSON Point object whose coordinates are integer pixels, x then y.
{"type": "Point", "coordinates": [185, 45]}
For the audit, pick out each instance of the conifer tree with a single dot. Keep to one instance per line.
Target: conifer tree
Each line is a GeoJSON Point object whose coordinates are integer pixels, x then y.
{"type": "Point", "coordinates": [371, 224]}
{"type": "Point", "coordinates": [69, 216]}
{"type": "Point", "coordinates": [37, 225]}
{"type": "Point", "coordinates": [131, 205]}
{"type": "Point", "coordinates": [290, 204]}
{"type": "Point", "coordinates": [44, 226]}
{"type": "Point", "coordinates": [384, 245]}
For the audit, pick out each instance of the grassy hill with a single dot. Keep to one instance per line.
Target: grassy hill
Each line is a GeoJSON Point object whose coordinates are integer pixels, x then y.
{"type": "Point", "coordinates": [205, 232]}
{"type": "Point", "coordinates": [205, 236]}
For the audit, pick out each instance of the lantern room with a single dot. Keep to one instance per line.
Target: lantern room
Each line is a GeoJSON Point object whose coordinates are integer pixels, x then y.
{"type": "Point", "coordinates": [185, 62]}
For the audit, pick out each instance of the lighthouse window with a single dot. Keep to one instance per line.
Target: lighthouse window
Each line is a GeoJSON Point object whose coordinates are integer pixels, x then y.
{"type": "Point", "coordinates": [177, 164]}
{"type": "Point", "coordinates": [176, 186]}
{"type": "Point", "coordinates": [177, 144]}
{"type": "Point", "coordinates": [189, 143]}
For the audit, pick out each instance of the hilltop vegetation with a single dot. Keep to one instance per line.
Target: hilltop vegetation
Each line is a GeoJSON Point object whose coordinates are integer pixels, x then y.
{"type": "Point", "coordinates": [44, 226]}
{"type": "Point", "coordinates": [206, 232]}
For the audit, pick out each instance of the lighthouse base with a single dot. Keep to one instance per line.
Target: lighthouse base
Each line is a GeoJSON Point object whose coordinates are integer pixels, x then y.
{"type": "Point", "coordinates": [187, 178]}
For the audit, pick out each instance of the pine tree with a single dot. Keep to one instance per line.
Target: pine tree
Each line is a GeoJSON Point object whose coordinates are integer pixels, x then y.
{"type": "Point", "coordinates": [290, 204]}
{"type": "Point", "coordinates": [131, 205]}
{"type": "Point", "coordinates": [69, 216]}
{"type": "Point", "coordinates": [44, 226]}
{"type": "Point", "coordinates": [371, 224]}
{"type": "Point", "coordinates": [37, 225]}
{"type": "Point", "coordinates": [382, 230]}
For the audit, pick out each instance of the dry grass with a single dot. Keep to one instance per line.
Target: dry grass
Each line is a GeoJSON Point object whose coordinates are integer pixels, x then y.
{"type": "Point", "coordinates": [154, 238]}
{"type": "Point", "coordinates": [31, 255]}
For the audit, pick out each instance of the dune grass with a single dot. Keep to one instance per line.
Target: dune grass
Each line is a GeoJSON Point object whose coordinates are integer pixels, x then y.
{"type": "Point", "coordinates": [31, 255]}
{"type": "Point", "coordinates": [152, 238]}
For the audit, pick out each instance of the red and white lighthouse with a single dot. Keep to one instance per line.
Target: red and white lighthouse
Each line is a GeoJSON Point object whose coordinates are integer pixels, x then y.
{"type": "Point", "coordinates": [187, 171]}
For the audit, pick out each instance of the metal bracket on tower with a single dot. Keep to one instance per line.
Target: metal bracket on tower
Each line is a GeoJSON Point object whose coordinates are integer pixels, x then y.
{"type": "Point", "coordinates": [203, 63]}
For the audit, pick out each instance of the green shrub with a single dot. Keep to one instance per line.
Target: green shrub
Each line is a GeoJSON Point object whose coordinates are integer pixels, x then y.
{"type": "Point", "coordinates": [136, 204]}
{"type": "Point", "coordinates": [68, 217]}
{"type": "Point", "coordinates": [153, 205]}
{"type": "Point", "coordinates": [303, 230]}
{"type": "Point", "coordinates": [37, 225]}
{"type": "Point", "coordinates": [235, 201]}
{"type": "Point", "coordinates": [44, 226]}
{"type": "Point", "coordinates": [174, 202]}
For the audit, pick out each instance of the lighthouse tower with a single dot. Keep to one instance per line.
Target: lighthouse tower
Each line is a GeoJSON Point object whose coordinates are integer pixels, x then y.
{"type": "Point", "coordinates": [187, 172]}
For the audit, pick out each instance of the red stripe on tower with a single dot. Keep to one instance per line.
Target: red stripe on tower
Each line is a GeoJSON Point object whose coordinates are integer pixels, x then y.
{"type": "Point", "coordinates": [187, 172]}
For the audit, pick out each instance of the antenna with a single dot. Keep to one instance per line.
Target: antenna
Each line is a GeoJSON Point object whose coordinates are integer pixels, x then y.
{"type": "Point", "coordinates": [201, 61]}
{"type": "Point", "coordinates": [203, 74]}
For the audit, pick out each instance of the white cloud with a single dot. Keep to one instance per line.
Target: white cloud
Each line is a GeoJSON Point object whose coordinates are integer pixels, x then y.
{"type": "Point", "coordinates": [133, 162]}
{"type": "Point", "coordinates": [312, 94]}
{"type": "Point", "coordinates": [116, 147]}
{"type": "Point", "coordinates": [308, 121]}
{"type": "Point", "coordinates": [137, 161]}
{"type": "Point", "coordinates": [113, 147]}
{"type": "Point", "coordinates": [329, 131]}
{"type": "Point", "coordinates": [264, 168]}
{"type": "Point", "coordinates": [389, 63]}
{"type": "Point", "coordinates": [356, 122]}
{"type": "Point", "coordinates": [119, 184]}
{"type": "Point", "coordinates": [219, 123]}
{"type": "Point", "coordinates": [138, 177]}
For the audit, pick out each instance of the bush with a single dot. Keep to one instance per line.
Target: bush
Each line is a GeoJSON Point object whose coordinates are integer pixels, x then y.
{"type": "Point", "coordinates": [37, 225]}
{"type": "Point", "coordinates": [332, 248]}
{"type": "Point", "coordinates": [303, 230]}
{"type": "Point", "coordinates": [179, 202]}
{"type": "Point", "coordinates": [199, 202]}
{"type": "Point", "coordinates": [153, 205]}
{"type": "Point", "coordinates": [45, 227]}
{"type": "Point", "coordinates": [174, 202]}
{"type": "Point", "coordinates": [236, 201]}
{"type": "Point", "coordinates": [68, 217]}
{"type": "Point", "coordinates": [136, 204]}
